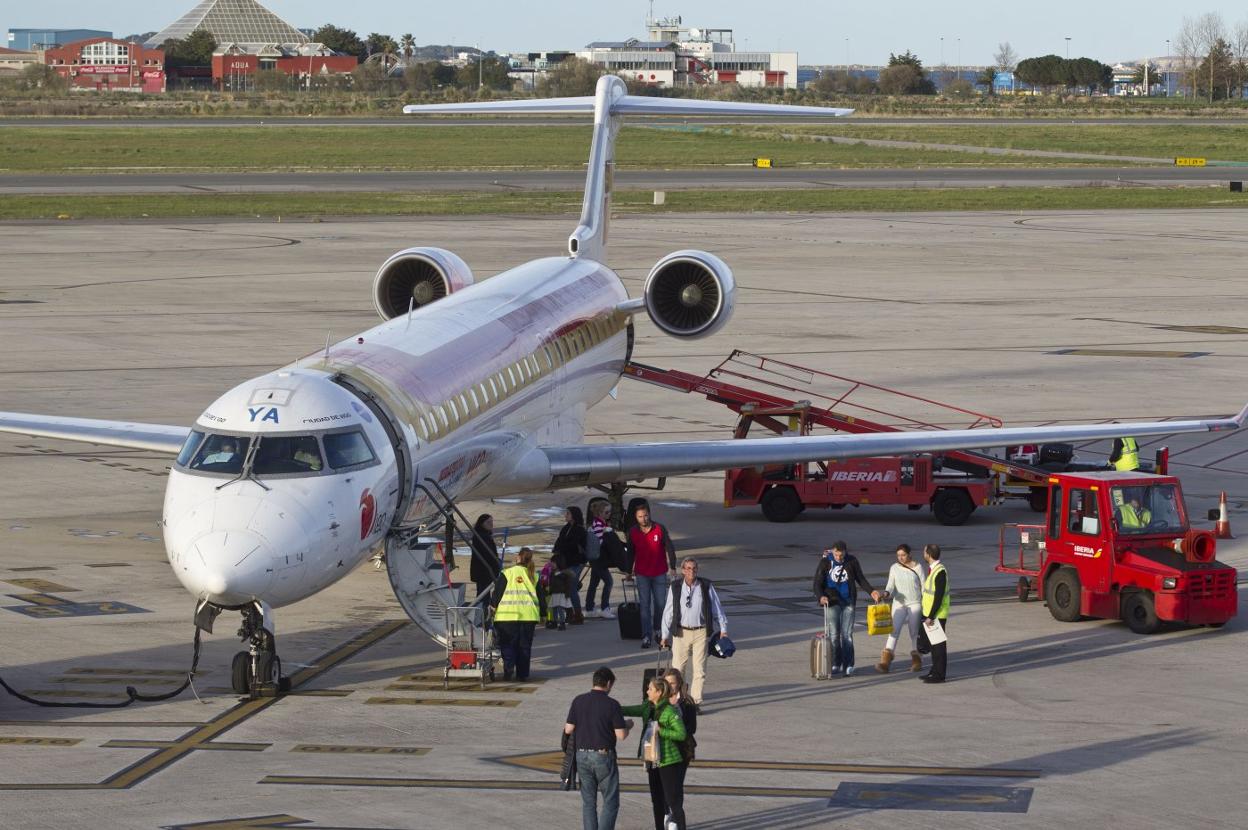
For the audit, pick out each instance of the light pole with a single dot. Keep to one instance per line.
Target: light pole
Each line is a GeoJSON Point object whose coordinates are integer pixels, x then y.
{"type": "Point", "coordinates": [1167, 75]}
{"type": "Point", "coordinates": [1067, 48]}
{"type": "Point", "coordinates": [847, 64]}
{"type": "Point", "coordinates": [959, 72]}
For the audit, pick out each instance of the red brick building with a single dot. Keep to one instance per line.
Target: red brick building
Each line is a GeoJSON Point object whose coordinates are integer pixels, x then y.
{"type": "Point", "coordinates": [109, 64]}
{"type": "Point", "coordinates": [234, 64]}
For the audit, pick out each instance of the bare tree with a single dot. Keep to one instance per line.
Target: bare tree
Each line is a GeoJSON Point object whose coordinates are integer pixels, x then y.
{"type": "Point", "coordinates": [1197, 41]}
{"type": "Point", "coordinates": [1006, 58]}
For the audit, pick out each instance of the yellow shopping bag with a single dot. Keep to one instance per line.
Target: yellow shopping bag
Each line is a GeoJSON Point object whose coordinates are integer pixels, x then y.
{"type": "Point", "coordinates": [879, 618]}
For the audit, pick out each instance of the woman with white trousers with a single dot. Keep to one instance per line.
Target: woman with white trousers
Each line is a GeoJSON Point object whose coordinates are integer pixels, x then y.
{"type": "Point", "coordinates": [905, 586]}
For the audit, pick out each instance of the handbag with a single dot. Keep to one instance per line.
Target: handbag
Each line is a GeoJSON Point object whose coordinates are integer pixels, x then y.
{"type": "Point", "coordinates": [650, 746]}
{"type": "Point", "coordinates": [879, 619]}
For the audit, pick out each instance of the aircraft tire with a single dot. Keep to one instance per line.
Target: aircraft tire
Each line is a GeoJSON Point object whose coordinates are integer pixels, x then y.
{"type": "Point", "coordinates": [240, 673]}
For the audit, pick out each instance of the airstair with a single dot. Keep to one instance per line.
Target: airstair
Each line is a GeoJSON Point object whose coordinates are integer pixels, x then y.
{"type": "Point", "coordinates": [419, 567]}
{"type": "Point", "coordinates": [745, 380]}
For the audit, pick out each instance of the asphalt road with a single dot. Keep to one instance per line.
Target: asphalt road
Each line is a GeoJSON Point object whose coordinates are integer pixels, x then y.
{"type": "Point", "coordinates": [742, 178]}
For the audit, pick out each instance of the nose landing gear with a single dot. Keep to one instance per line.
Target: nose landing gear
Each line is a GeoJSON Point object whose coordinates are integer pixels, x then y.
{"type": "Point", "coordinates": [257, 672]}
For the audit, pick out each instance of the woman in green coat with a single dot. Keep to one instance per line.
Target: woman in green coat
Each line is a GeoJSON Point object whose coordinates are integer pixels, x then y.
{"type": "Point", "coordinates": [662, 724]}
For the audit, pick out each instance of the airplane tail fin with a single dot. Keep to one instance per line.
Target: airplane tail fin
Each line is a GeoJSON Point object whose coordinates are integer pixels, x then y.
{"type": "Point", "coordinates": [609, 104]}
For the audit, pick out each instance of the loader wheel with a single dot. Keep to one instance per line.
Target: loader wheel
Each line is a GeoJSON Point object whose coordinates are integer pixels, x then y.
{"type": "Point", "coordinates": [952, 507]}
{"type": "Point", "coordinates": [1139, 612]}
{"type": "Point", "coordinates": [1061, 592]}
{"type": "Point", "coordinates": [781, 504]}
{"type": "Point", "coordinates": [1038, 500]}
{"type": "Point", "coordinates": [1024, 589]}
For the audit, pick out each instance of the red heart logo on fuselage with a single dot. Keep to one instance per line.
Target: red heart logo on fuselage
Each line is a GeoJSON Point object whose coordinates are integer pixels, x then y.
{"type": "Point", "coordinates": [368, 510]}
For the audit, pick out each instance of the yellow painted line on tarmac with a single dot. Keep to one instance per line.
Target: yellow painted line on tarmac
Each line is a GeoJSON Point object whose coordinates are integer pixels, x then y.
{"type": "Point", "coordinates": [545, 786]}
{"type": "Point", "coordinates": [202, 736]}
{"type": "Point", "coordinates": [338, 749]}
{"type": "Point", "coordinates": [223, 746]}
{"type": "Point", "coordinates": [40, 585]}
{"type": "Point", "coordinates": [441, 701]}
{"type": "Point", "coordinates": [461, 687]}
{"type": "Point", "coordinates": [552, 761]}
{"type": "Point", "coordinates": [13, 740]}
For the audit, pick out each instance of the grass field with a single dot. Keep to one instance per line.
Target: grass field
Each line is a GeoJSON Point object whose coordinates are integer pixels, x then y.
{"type": "Point", "coordinates": [409, 147]}
{"type": "Point", "coordinates": [294, 206]}
{"type": "Point", "coordinates": [1225, 143]}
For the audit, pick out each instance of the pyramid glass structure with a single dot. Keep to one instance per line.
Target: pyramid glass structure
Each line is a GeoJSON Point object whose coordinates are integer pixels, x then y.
{"type": "Point", "coordinates": [232, 21]}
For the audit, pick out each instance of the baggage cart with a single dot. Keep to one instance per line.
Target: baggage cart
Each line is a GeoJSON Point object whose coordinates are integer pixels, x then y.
{"type": "Point", "coordinates": [469, 646]}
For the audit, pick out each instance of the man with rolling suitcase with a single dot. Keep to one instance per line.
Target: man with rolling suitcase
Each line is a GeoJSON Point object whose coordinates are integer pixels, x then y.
{"type": "Point", "coordinates": [837, 580]}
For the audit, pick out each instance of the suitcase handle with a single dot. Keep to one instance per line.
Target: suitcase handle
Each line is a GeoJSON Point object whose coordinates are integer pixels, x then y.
{"type": "Point", "coordinates": [627, 583]}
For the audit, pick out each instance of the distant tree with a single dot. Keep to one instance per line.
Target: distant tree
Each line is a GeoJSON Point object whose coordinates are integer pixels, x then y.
{"type": "Point", "coordinates": [194, 50]}
{"type": "Point", "coordinates": [987, 78]}
{"type": "Point", "coordinates": [379, 44]}
{"type": "Point", "coordinates": [370, 76]}
{"type": "Point", "coordinates": [1047, 71]}
{"type": "Point", "coordinates": [905, 76]}
{"type": "Point", "coordinates": [1217, 73]}
{"type": "Point", "coordinates": [1005, 58]}
{"type": "Point", "coordinates": [343, 41]}
{"type": "Point", "coordinates": [487, 71]}
{"type": "Point", "coordinates": [270, 80]}
{"type": "Point", "coordinates": [1152, 74]}
{"type": "Point", "coordinates": [571, 77]}
{"type": "Point", "coordinates": [409, 47]}
{"type": "Point", "coordinates": [42, 76]}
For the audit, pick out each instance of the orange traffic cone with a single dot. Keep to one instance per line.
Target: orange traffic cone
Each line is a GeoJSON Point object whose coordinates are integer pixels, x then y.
{"type": "Point", "coordinates": [1223, 528]}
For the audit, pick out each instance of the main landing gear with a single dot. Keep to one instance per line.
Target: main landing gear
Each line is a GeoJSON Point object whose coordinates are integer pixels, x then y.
{"type": "Point", "coordinates": [257, 672]}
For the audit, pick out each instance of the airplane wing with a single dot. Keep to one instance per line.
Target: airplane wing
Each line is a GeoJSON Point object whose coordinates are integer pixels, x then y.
{"type": "Point", "coordinates": [602, 463]}
{"type": "Point", "coordinates": [158, 437]}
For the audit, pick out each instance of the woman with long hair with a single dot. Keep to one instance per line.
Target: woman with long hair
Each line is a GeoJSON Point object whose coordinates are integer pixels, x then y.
{"type": "Point", "coordinates": [662, 733]}
{"type": "Point", "coordinates": [571, 545]}
{"type": "Point", "coordinates": [600, 568]}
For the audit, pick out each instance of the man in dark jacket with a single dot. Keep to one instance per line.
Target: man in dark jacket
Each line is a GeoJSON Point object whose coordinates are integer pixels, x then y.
{"type": "Point", "coordinates": [836, 585]}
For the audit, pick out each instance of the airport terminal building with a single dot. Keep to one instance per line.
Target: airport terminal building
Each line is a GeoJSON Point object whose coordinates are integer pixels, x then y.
{"type": "Point", "coordinates": [109, 64]}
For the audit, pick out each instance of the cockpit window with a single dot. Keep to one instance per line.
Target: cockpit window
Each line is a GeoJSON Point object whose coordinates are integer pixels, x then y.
{"type": "Point", "coordinates": [284, 454]}
{"type": "Point", "coordinates": [221, 454]}
{"type": "Point", "coordinates": [1148, 509]}
{"type": "Point", "coordinates": [347, 449]}
{"type": "Point", "coordinates": [188, 449]}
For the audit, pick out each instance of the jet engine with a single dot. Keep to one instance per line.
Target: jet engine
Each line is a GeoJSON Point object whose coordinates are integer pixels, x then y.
{"type": "Point", "coordinates": [690, 294]}
{"type": "Point", "coordinates": [417, 276]}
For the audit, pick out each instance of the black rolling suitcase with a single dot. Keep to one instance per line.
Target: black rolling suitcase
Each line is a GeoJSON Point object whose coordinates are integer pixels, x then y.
{"type": "Point", "coordinates": [649, 674]}
{"type": "Point", "coordinates": [628, 613]}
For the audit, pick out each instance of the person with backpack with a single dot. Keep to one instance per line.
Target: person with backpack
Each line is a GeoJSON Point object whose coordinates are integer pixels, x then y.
{"type": "Point", "coordinates": [654, 565]}
{"type": "Point", "coordinates": [598, 551]}
{"type": "Point", "coordinates": [571, 544]}
{"type": "Point", "coordinates": [662, 734]}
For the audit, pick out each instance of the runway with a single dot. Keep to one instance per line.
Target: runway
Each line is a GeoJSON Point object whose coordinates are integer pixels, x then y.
{"type": "Point", "coordinates": [736, 178]}
{"type": "Point", "coordinates": [1031, 317]}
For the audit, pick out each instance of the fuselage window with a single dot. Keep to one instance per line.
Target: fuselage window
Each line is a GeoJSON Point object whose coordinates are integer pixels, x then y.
{"type": "Point", "coordinates": [442, 417]}
{"type": "Point", "coordinates": [513, 379]}
{"type": "Point", "coordinates": [473, 399]}
{"type": "Point", "coordinates": [463, 405]}
{"type": "Point", "coordinates": [188, 449]}
{"type": "Point", "coordinates": [422, 427]}
{"type": "Point", "coordinates": [348, 449]}
{"type": "Point", "coordinates": [454, 411]}
{"type": "Point", "coordinates": [281, 454]}
{"type": "Point", "coordinates": [550, 361]}
{"type": "Point", "coordinates": [534, 367]}
{"type": "Point", "coordinates": [221, 454]}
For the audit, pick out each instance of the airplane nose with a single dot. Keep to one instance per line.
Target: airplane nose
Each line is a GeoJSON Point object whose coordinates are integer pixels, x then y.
{"type": "Point", "coordinates": [229, 567]}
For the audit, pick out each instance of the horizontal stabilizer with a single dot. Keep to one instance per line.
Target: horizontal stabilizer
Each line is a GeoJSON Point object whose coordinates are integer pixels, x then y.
{"type": "Point", "coordinates": [629, 105]}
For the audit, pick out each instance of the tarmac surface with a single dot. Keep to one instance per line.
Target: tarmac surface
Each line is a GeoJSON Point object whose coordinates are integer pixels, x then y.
{"type": "Point", "coordinates": [494, 181]}
{"type": "Point", "coordinates": [1033, 318]}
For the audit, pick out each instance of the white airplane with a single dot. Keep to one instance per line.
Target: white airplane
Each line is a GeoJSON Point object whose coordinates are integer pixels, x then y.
{"type": "Point", "coordinates": [289, 481]}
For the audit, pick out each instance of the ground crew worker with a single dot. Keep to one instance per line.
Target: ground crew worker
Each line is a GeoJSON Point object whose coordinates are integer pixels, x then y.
{"type": "Point", "coordinates": [1131, 516]}
{"type": "Point", "coordinates": [1125, 455]}
{"type": "Point", "coordinates": [516, 614]}
{"type": "Point", "coordinates": [936, 610]}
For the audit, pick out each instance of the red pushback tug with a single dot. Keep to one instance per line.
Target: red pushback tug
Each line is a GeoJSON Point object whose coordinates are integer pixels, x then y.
{"type": "Point", "coordinates": [1117, 546]}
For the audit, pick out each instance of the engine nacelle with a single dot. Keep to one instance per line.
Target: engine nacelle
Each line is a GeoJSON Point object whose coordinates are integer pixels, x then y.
{"type": "Point", "coordinates": [690, 294]}
{"type": "Point", "coordinates": [417, 276]}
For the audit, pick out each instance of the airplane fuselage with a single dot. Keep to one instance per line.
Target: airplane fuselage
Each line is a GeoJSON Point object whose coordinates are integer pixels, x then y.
{"type": "Point", "coordinates": [457, 392]}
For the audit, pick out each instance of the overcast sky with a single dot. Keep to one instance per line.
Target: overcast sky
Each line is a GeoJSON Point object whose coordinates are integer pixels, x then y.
{"type": "Point", "coordinates": [822, 32]}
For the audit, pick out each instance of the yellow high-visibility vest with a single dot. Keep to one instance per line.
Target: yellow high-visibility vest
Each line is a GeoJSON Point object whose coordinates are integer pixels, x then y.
{"type": "Point", "coordinates": [519, 600]}
{"type": "Point", "coordinates": [929, 593]}
{"type": "Point", "coordinates": [1132, 519]}
{"type": "Point", "coordinates": [1130, 458]}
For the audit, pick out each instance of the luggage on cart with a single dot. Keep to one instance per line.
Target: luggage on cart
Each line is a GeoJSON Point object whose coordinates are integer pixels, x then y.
{"type": "Point", "coordinates": [821, 652]}
{"type": "Point", "coordinates": [628, 613]}
{"type": "Point", "coordinates": [1056, 453]}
